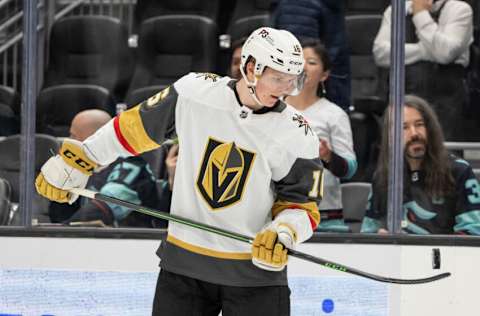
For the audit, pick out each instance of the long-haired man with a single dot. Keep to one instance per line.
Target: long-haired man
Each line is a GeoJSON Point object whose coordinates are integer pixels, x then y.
{"type": "Point", "coordinates": [441, 193]}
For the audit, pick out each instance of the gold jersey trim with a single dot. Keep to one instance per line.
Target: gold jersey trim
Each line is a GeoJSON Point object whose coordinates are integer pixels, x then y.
{"type": "Point", "coordinates": [310, 207]}
{"type": "Point", "coordinates": [132, 129]}
{"type": "Point", "coordinates": [209, 252]}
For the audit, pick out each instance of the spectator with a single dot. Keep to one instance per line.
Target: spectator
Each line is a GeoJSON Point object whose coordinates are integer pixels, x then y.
{"type": "Point", "coordinates": [438, 37]}
{"type": "Point", "coordinates": [166, 184]}
{"type": "Point", "coordinates": [324, 20]}
{"type": "Point", "coordinates": [441, 193]}
{"type": "Point", "coordinates": [127, 178]}
{"type": "Point", "coordinates": [247, 162]}
{"type": "Point", "coordinates": [332, 126]}
{"type": "Point", "coordinates": [236, 58]}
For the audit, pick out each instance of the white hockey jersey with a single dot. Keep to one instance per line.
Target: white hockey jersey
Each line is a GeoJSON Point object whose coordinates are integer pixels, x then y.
{"type": "Point", "coordinates": [331, 123]}
{"type": "Point", "coordinates": [237, 169]}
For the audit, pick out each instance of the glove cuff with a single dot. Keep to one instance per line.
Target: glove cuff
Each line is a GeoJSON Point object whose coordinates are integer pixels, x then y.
{"type": "Point", "coordinates": [294, 222]}
{"type": "Point", "coordinates": [73, 155]}
{"type": "Point", "coordinates": [267, 267]}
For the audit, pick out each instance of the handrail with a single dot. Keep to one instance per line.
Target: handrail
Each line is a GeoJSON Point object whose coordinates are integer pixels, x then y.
{"type": "Point", "coordinates": [19, 36]}
{"type": "Point", "coordinates": [11, 20]}
{"type": "Point", "coordinates": [4, 2]}
{"type": "Point", "coordinates": [68, 9]}
{"type": "Point", "coordinates": [462, 145]}
{"type": "Point", "coordinates": [12, 41]}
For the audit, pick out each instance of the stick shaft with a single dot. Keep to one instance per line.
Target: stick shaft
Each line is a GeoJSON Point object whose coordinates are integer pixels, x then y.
{"type": "Point", "coordinates": [244, 238]}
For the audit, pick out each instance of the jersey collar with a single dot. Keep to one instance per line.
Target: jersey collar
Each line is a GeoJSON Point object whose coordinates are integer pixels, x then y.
{"type": "Point", "coordinates": [278, 107]}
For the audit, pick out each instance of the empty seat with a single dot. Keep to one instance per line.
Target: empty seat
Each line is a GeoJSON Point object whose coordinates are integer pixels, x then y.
{"type": "Point", "coordinates": [10, 157]}
{"type": "Point", "coordinates": [146, 9]}
{"type": "Point", "coordinates": [57, 106]}
{"type": "Point", "coordinates": [172, 46]}
{"type": "Point", "coordinates": [45, 146]}
{"type": "Point", "coordinates": [367, 6]}
{"type": "Point", "coordinates": [366, 138]}
{"type": "Point", "coordinates": [141, 94]}
{"type": "Point", "coordinates": [361, 32]}
{"type": "Point", "coordinates": [9, 111]}
{"type": "Point", "coordinates": [242, 27]}
{"type": "Point", "coordinates": [90, 50]}
{"type": "Point", "coordinates": [247, 16]}
{"type": "Point", "coordinates": [354, 200]}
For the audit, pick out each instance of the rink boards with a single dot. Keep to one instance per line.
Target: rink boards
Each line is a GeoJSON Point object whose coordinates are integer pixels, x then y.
{"type": "Point", "coordinates": [82, 276]}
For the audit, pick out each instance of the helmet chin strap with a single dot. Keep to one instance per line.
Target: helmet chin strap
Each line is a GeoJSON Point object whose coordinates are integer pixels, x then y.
{"type": "Point", "coordinates": [252, 87]}
{"type": "Point", "coordinates": [253, 92]}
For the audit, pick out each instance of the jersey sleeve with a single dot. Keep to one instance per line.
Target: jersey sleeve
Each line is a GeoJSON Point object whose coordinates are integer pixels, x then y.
{"type": "Point", "coordinates": [297, 174]}
{"type": "Point", "coordinates": [344, 162]}
{"type": "Point", "coordinates": [147, 125]}
{"type": "Point", "coordinates": [467, 219]}
{"type": "Point", "coordinates": [137, 130]}
{"type": "Point", "coordinates": [298, 195]}
{"type": "Point", "coordinates": [301, 189]}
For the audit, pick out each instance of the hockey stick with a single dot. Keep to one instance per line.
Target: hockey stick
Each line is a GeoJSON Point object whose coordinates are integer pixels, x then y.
{"type": "Point", "coordinates": [247, 239]}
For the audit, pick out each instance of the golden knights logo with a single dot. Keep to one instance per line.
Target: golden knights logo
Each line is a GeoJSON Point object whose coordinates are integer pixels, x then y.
{"type": "Point", "coordinates": [302, 122]}
{"type": "Point", "coordinates": [223, 173]}
{"type": "Point", "coordinates": [208, 76]}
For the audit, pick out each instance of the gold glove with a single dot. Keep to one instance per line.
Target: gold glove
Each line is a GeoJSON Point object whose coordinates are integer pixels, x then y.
{"type": "Point", "coordinates": [69, 169]}
{"type": "Point", "coordinates": [267, 252]}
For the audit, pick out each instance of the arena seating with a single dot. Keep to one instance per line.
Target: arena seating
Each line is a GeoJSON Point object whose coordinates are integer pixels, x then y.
{"type": "Point", "coordinates": [169, 47]}
{"type": "Point", "coordinates": [367, 6]}
{"type": "Point", "coordinates": [90, 49]}
{"type": "Point", "coordinates": [146, 9]}
{"type": "Point", "coordinates": [58, 105]}
{"type": "Point", "coordinates": [354, 201]}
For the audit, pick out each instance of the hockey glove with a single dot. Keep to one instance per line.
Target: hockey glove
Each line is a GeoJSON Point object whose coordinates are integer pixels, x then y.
{"type": "Point", "coordinates": [267, 252]}
{"type": "Point", "coordinates": [69, 169]}
{"type": "Point", "coordinates": [269, 248]}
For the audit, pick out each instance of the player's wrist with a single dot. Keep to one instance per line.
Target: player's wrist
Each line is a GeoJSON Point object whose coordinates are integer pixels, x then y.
{"type": "Point", "coordinates": [73, 155]}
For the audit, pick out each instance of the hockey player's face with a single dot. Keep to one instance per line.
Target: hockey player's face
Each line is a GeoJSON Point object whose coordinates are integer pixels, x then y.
{"type": "Point", "coordinates": [414, 134]}
{"type": "Point", "coordinates": [273, 85]}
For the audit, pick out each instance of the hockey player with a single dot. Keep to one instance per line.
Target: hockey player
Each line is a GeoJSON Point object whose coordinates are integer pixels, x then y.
{"type": "Point", "coordinates": [441, 193]}
{"type": "Point", "coordinates": [247, 163]}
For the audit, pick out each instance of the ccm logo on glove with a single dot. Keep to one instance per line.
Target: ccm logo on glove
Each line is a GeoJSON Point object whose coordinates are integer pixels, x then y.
{"type": "Point", "coordinates": [75, 157]}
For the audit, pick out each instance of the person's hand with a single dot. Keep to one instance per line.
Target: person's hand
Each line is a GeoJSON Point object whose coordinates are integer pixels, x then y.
{"type": "Point", "coordinates": [382, 231]}
{"type": "Point", "coordinates": [69, 169]}
{"type": "Point", "coordinates": [269, 248]}
{"type": "Point", "coordinates": [325, 151]}
{"type": "Point", "coordinates": [420, 5]}
{"type": "Point", "coordinates": [267, 252]}
{"type": "Point", "coordinates": [171, 163]}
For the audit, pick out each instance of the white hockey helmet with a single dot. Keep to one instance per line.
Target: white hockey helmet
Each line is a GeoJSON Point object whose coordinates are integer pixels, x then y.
{"type": "Point", "coordinates": [277, 49]}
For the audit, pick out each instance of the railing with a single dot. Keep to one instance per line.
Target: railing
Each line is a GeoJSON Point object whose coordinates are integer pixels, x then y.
{"type": "Point", "coordinates": [11, 33]}
{"type": "Point", "coordinates": [471, 153]}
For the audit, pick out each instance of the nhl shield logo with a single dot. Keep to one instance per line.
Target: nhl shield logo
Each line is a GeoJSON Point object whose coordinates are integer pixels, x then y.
{"type": "Point", "coordinates": [223, 173]}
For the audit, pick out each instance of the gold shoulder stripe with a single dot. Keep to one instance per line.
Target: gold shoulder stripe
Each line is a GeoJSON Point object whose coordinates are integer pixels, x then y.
{"type": "Point", "coordinates": [310, 207]}
{"type": "Point", "coordinates": [209, 252]}
{"type": "Point", "coordinates": [132, 129]}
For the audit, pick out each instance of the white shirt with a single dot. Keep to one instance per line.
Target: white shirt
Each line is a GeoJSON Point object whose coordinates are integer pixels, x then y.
{"type": "Point", "coordinates": [332, 124]}
{"type": "Point", "coordinates": [445, 42]}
